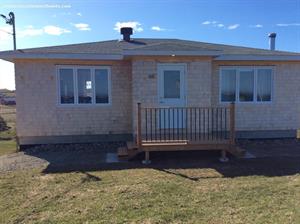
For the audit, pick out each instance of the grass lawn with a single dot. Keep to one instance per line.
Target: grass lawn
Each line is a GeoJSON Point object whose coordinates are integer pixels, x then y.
{"type": "Point", "coordinates": [148, 196]}
{"type": "Point", "coordinates": [8, 137]}
{"type": "Point", "coordinates": [7, 147]}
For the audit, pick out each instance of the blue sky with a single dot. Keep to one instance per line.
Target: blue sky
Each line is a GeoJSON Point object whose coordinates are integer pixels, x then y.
{"type": "Point", "coordinates": [236, 22]}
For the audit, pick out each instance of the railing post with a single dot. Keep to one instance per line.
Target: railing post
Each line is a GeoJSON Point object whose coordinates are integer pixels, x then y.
{"type": "Point", "coordinates": [139, 126]}
{"type": "Point", "coordinates": [232, 124]}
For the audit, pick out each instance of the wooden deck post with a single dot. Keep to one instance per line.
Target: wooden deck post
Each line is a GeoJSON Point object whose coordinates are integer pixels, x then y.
{"type": "Point", "coordinates": [232, 124]}
{"type": "Point", "coordinates": [139, 126]}
{"type": "Point", "coordinates": [147, 160]}
{"type": "Point", "coordinates": [223, 157]}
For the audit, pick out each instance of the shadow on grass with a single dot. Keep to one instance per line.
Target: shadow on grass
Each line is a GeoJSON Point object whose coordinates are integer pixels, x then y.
{"type": "Point", "coordinates": [172, 163]}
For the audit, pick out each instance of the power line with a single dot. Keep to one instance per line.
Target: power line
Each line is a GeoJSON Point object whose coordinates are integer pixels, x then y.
{"type": "Point", "coordinates": [5, 32]}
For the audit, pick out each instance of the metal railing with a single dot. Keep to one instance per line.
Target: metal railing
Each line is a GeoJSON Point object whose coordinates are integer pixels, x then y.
{"type": "Point", "coordinates": [185, 124]}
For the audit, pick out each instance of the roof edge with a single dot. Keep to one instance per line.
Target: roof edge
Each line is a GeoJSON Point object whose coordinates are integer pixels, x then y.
{"type": "Point", "coordinates": [82, 56]}
{"type": "Point", "coordinates": [250, 57]}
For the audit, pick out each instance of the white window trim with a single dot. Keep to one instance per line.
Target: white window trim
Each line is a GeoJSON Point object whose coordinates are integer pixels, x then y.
{"type": "Point", "coordinates": [75, 68]}
{"type": "Point", "coordinates": [237, 86]}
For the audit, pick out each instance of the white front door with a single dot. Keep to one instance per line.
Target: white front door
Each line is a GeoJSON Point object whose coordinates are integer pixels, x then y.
{"type": "Point", "coordinates": [171, 92]}
{"type": "Point", "coordinates": [171, 85]}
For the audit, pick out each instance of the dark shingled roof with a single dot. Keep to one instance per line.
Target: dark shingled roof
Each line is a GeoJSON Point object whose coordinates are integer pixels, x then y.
{"type": "Point", "coordinates": [143, 44]}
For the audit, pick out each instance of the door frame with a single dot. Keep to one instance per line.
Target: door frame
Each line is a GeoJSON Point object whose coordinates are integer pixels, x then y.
{"type": "Point", "coordinates": [159, 87]}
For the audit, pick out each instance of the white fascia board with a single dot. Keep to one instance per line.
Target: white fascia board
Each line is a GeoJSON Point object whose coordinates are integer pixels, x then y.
{"type": "Point", "coordinates": [257, 58]}
{"type": "Point", "coordinates": [169, 53]}
{"type": "Point", "coordinates": [80, 56]}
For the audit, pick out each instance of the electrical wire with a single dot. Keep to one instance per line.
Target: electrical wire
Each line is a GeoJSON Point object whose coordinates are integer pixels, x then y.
{"type": "Point", "coordinates": [5, 32]}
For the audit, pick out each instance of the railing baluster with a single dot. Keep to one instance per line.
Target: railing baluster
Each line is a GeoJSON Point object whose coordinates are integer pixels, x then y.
{"type": "Point", "coordinates": [146, 124]}
{"type": "Point", "coordinates": [173, 122]}
{"type": "Point", "coordinates": [199, 128]}
{"type": "Point", "coordinates": [155, 125]}
{"type": "Point", "coordinates": [186, 123]}
{"type": "Point", "coordinates": [221, 124]}
{"type": "Point", "coordinates": [217, 122]}
{"type": "Point", "coordinates": [191, 125]}
{"type": "Point", "coordinates": [177, 125]}
{"type": "Point", "coordinates": [164, 124]}
{"type": "Point", "coordinates": [151, 124]}
{"type": "Point", "coordinates": [195, 121]}
{"type": "Point", "coordinates": [225, 123]}
{"type": "Point", "coordinates": [160, 116]}
{"type": "Point", "coordinates": [169, 124]}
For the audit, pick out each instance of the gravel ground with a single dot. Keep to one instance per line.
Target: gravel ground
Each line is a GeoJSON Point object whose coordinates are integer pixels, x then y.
{"type": "Point", "coordinates": [72, 157]}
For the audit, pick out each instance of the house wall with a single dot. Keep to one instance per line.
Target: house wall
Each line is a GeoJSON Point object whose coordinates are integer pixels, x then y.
{"type": "Point", "coordinates": [281, 116]}
{"type": "Point", "coordinates": [40, 118]}
{"type": "Point", "coordinates": [144, 81]}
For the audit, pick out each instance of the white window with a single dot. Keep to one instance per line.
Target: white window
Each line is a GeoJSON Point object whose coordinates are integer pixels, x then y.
{"type": "Point", "coordinates": [84, 85]}
{"type": "Point", "coordinates": [246, 84]}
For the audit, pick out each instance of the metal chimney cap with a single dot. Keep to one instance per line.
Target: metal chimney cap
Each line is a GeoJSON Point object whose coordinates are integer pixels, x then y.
{"type": "Point", "coordinates": [272, 35]}
{"type": "Point", "coordinates": [126, 30]}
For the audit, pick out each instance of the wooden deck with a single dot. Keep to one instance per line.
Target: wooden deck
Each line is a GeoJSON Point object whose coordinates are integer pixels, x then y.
{"type": "Point", "coordinates": [205, 129]}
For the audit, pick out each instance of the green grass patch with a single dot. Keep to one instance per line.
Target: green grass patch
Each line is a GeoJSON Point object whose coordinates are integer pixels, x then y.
{"type": "Point", "coordinates": [8, 136]}
{"type": "Point", "coordinates": [148, 196]}
{"type": "Point", "coordinates": [7, 147]}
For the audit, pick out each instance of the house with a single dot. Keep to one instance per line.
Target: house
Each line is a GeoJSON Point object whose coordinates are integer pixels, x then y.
{"type": "Point", "coordinates": [89, 92]}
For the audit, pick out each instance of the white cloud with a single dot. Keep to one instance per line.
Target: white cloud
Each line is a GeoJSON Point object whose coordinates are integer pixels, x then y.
{"type": "Point", "coordinates": [157, 28]}
{"type": "Point", "coordinates": [7, 77]}
{"type": "Point", "coordinates": [82, 26]}
{"type": "Point", "coordinates": [134, 24]}
{"type": "Point", "coordinates": [256, 26]}
{"type": "Point", "coordinates": [30, 31]}
{"type": "Point", "coordinates": [206, 23]}
{"type": "Point", "coordinates": [233, 27]}
{"type": "Point", "coordinates": [213, 23]}
{"type": "Point", "coordinates": [79, 14]}
{"type": "Point", "coordinates": [209, 22]}
{"type": "Point", "coordinates": [55, 30]}
{"type": "Point", "coordinates": [288, 24]}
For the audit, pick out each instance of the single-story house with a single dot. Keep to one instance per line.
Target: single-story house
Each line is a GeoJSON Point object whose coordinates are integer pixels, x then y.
{"type": "Point", "coordinates": [89, 92]}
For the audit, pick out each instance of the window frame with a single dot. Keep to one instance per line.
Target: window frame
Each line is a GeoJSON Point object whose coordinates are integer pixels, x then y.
{"type": "Point", "coordinates": [75, 83]}
{"type": "Point", "coordinates": [237, 83]}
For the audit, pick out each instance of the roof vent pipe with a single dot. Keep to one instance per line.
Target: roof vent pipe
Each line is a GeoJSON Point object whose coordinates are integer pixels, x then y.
{"type": "Point", "coordinates": [126, 32]}
{"type": "Point", "coordinates": [272, 37]}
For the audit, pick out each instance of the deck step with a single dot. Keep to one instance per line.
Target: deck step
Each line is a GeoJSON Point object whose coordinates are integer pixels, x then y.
{"type": "Point", "coordinates": [122, 151]}
{"type": "Point", "coordinates": [129, 151]}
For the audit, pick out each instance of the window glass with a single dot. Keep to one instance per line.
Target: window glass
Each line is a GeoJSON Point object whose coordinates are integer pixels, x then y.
{"type": "Point", "coordinates": [264, 82]}
{"type": "Point", "coordinates": [228, 85]}
{"type": "Point", "coordinates": [172, 84]}
{"type": "Point", "coordinates": [66, 86]}
{"type": "Point", "coordinates": [246, 82]}
{"type": "Point", "coordinates": [84, 84]}
{"type": "Point", "coordinates": [101, 85]}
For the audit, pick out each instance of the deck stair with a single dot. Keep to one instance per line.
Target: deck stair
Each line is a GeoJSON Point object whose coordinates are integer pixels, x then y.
{"type": "Point", "coordinates": [129, 151]}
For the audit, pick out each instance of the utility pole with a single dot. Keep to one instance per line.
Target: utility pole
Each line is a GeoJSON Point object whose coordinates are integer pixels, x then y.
{"type": "Point", "coordinates": [11, 21]}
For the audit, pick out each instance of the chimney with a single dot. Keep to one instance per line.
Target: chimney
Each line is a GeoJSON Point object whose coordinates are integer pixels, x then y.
{"type": "Point", "coordinates": [126, 32]}
{"type": "Point", "coordinates": [272, 37]}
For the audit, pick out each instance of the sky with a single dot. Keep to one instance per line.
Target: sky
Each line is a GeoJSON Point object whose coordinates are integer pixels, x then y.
{"type": "Point", "coordinates": [233, 22]}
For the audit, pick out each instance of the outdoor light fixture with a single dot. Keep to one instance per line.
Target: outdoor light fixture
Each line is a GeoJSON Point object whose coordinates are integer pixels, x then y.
{"type": "Point", "coordinates": [11, 21]}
